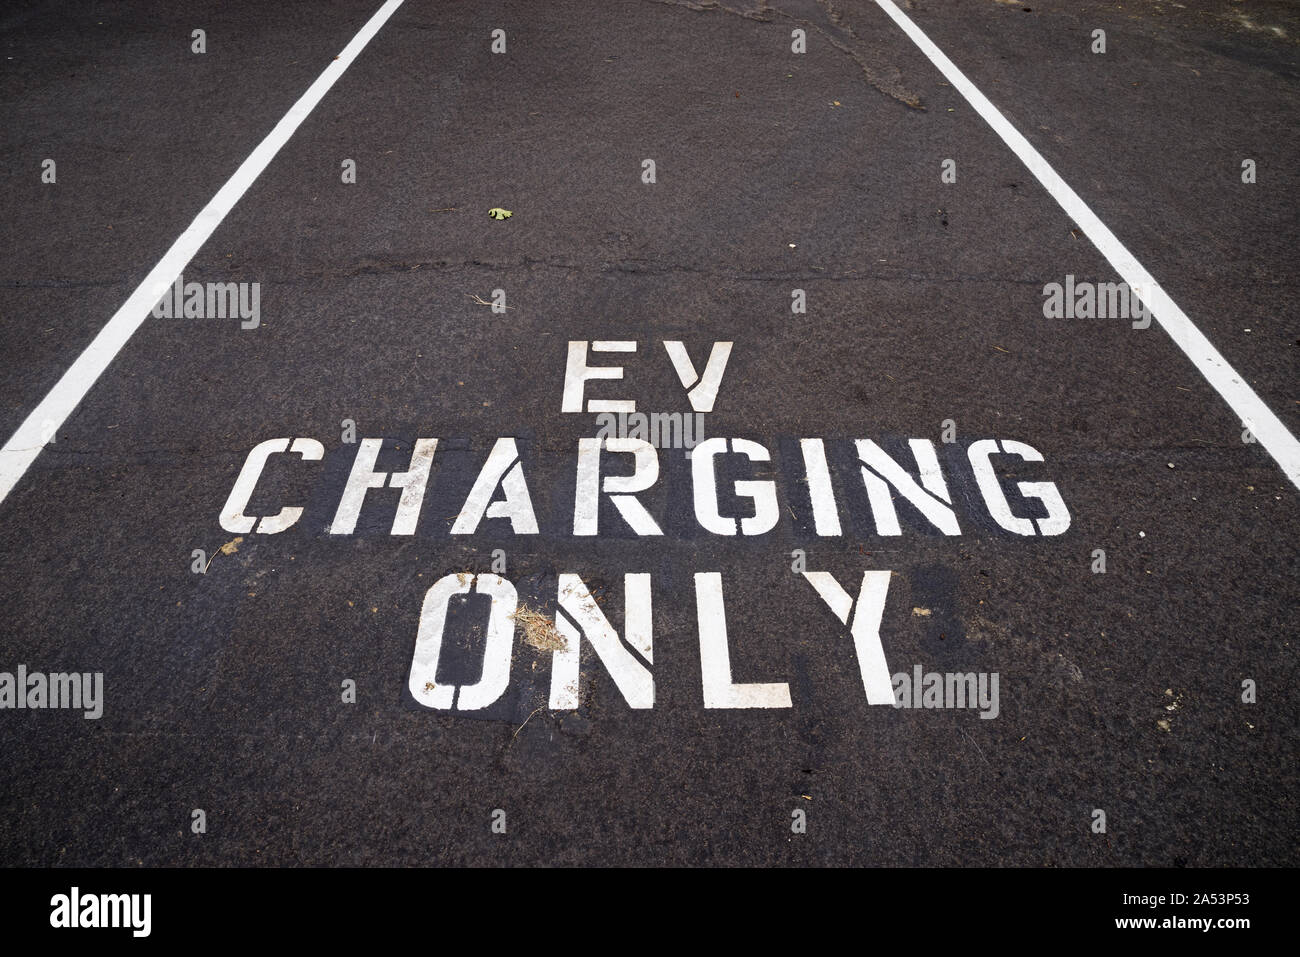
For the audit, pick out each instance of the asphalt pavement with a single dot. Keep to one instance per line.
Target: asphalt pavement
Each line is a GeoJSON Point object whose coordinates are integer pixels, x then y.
{"type": "Point", "coordinates": [1121, 557]}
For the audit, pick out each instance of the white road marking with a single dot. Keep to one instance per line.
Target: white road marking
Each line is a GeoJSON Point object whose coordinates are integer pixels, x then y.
{"type": "Point", "coordinates": [38, 428]}
{"type": "Point", "coordinates": [868, 612]}
{"type": "Point", "coordinates": [1249, 408]}
{"type": "Point", "coordinates": [631, 676]}
{"type": "Point", "coordinates": [715, 655]}
{"type": "Point", "coordinates": [826, 517]}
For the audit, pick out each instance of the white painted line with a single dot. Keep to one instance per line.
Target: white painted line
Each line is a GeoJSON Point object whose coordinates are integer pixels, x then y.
{"type": "Point", "coordinates": [1249, 408]}
{"type": "Point", "coordinates": [38, 428]}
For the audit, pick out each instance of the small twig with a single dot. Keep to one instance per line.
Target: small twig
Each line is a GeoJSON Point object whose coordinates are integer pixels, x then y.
{"type": "Point", "coordinates": [222, 551]}
{"type": "Point", "coordinates": [484, 302]}
{"type": "Point", "coordinates": [521, 727]}
{"type": "Point", "coordinates": [973, 744]}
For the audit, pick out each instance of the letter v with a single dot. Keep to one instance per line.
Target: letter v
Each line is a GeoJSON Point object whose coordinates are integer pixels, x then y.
{"type": "Point", "coordinates": [705, 392]}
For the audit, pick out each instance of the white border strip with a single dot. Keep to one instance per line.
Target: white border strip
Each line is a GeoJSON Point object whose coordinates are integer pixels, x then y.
{"type": "Point", "coordinates": [1254, 414]}
{"type": "Point", "coordinates": [38, 428]}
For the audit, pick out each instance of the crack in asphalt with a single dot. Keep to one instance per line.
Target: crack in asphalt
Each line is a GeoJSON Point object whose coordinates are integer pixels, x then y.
{"type": "Point", "coordinates": [827, 20]}
{"type": "Point", "coordinates": [645, 267]}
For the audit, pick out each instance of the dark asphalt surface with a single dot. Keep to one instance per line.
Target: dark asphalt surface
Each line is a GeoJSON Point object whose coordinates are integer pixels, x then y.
{"type": "Point", "coordinates": [925, 304]}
